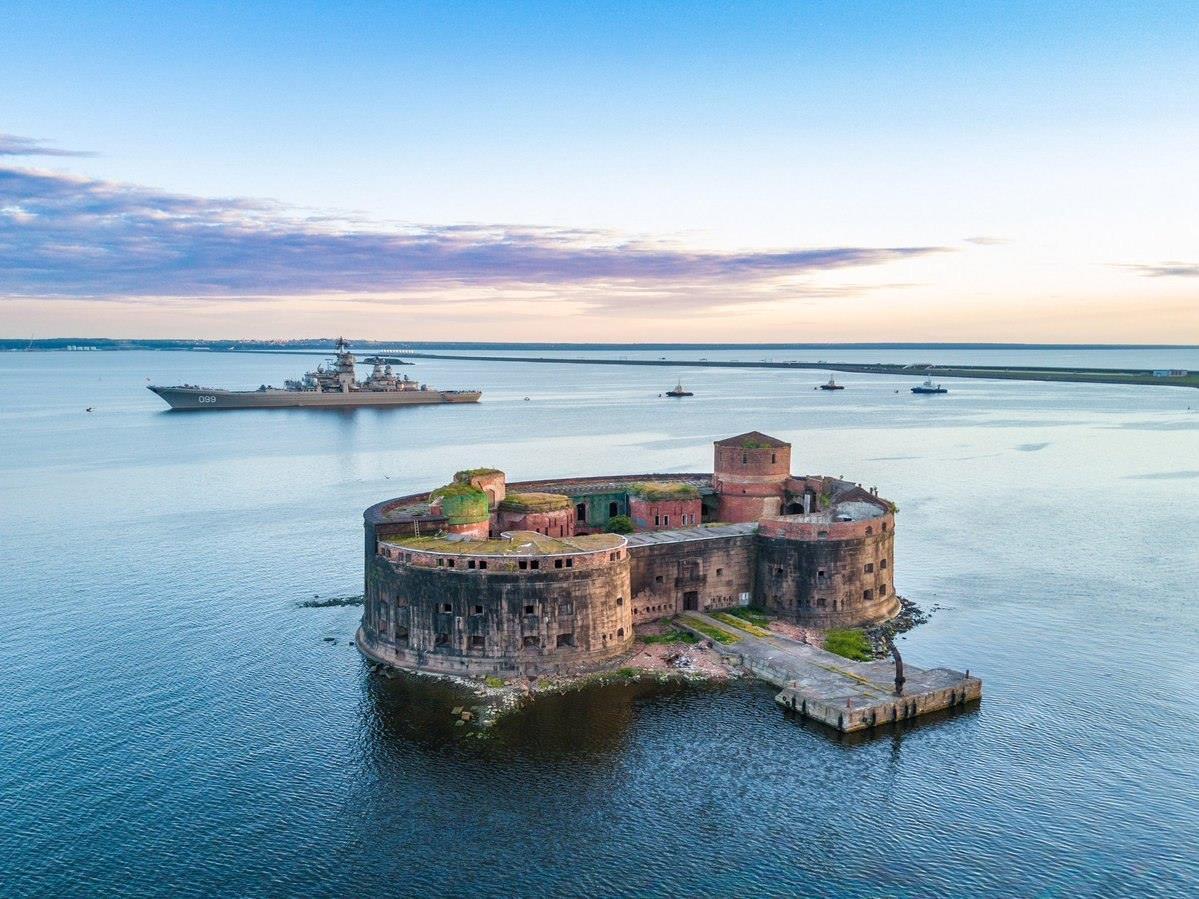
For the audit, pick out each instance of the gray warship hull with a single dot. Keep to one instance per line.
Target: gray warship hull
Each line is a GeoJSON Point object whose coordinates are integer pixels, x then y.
{"type": "Point", "coordinates": [199, 399]}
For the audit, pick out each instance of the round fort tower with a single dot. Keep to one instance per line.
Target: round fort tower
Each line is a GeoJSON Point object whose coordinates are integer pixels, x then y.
{"type": "Point", "coordinates": [750, 477]}
{"type": "Point", "coordinates": [521, 604]}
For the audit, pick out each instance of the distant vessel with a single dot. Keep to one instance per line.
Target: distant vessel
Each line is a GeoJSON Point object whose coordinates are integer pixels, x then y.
{"type": "Point", "coordinates": [333, 387]}
{"type": "Point", "coordinates": [832, 385]}
{"type": "Point", "coordinates": [929, 387]}
{"type": "Point", "coordinates": [679, 391]}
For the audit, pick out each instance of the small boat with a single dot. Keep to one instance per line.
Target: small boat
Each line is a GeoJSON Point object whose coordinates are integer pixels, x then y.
{"type": "Point", "coordinates": [929, 387]}
{"type": "Point", "coordinates": [679, 391]}
{"type": "Point", "coordinates": [832, 385]}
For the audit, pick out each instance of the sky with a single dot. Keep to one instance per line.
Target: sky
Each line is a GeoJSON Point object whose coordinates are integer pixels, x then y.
{"type": "Point", "coordinates": [784, 172]}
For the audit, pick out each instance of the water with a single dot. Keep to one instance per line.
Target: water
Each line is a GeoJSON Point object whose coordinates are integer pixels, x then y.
{"type": "Point", "coordinates": [172, 722]}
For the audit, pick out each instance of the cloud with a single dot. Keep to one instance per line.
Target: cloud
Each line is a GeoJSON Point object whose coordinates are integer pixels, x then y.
{"type": "Point", "coordinates": [13, 145]}
{"type": "Point", "coordinates": [984, 241]}
{"type": "Point", "coordinates": [66, 236]}
{"type": "Point", "coordinates": [1167, 270]}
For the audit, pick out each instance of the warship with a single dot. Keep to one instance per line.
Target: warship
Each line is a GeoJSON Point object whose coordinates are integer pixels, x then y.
{"type": "Point", "coordinates": [331, 386]}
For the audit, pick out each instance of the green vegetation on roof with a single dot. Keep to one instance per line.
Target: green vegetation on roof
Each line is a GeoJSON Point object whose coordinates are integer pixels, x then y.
{"type": "Point", "coordinates": [534, 502]}
{"type": "Point", "coordinates": [458, 488]}
{"type": "Point", "coordinates": [741, 624]}
{"type": "Point", "coordinates": [653, 490]}
{"type": "Point", "coordinates": [468, 473]}
{"type": "Point", "coordinates": [523, 543]}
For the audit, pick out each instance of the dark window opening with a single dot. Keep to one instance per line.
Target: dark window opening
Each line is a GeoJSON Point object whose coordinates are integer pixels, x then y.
{"type": "Point", "coordinates": [441, 639]}
{"type": "Point", "coordinates": [470, 564]}
{"type": "Point", "coordinates": [534, 564]}
{"type": "Point", "coordinates": [478, 610]}
{"type": "Point", "coordinates": [529, 610]}
{"type": "Point", "coordinates": [657, 579]}
{"type": "Point", "coordinates": [441, 563]}
{"type": "Point", "coordinates": [523, 564]}
{"type": "Point", "coordinates": [882, 566]}
{"type": "Point", "coordinates": [869, 529]}
{"type": "Point", "coordinates": [657, 520]}
{"type": "Point", "coordinates": [566, 608]}
{"type": "Point", "coordinates": [531, 641]}
{"type": "Point", "coordinates": [451, 563]}
{"type": "Point", "coordinates": [557, 563]}
{"type": "Point", "coordinates": [773, 458]}
{"type": "Point", "coordinates": [401, 637]}
{"type": "Point", "coordinates": [720, 571]}
{"type": "Point", "coordinates": [566, 640]}
{"type": "Point", "coordinates": [581, 512]}
{"type": "Point", "coordinates": [869, 567]}
{"type": "Point", "coordinates": [477, 641]}
{"type": "Point", "coordinates": [745, 458]}
{"type": "Point", "coordinates": [867, 594]}
{"type": "Point", "coordinates": [570, 563]}
{"type": "Point", "coordinates": [613, 509]}
{"type": "Point", "coordinates": [620, 600]}
{"type": "Point", "coordinates": [820, 601]}
{"type": "Point", "coordinates": [822, 535]}
{"type": "Point", "coordinates": [482, 564]}
{"type": "Point", "coordinates": [882, 589]}
{"type": "Point", "coordinates": [778, 571]}
{"type": "Point", "coordinates": [620, 632]}
{"type": "Point", "coordinates": [447, 607]}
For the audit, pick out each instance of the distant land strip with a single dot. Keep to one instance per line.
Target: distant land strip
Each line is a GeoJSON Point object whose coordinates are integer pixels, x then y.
{"type": "Point", "coordinates": [1008, 372]}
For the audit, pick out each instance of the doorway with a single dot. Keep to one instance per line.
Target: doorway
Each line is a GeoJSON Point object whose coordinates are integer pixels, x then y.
{"type": "Point", "coordinates": [691, 601]}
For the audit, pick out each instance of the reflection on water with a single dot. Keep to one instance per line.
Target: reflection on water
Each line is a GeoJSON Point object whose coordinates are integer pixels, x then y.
{"type": "Point", "coordinates": [172, 721]}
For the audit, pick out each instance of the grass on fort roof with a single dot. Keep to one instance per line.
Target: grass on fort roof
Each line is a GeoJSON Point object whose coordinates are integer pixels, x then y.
{"type": "Point", "coordinates": [741, 624]}
{"type": "Point", "coordinates": [459, 488]}
{"type": "Point", "coordinates": [752, 614]}
{"type": "Point", "coordinates": [535, 502]}
{"type": "Point", "coordinates": [526, 545]}
{"type": "Point", "coordinates": [664, 490]}
{"type": "Point", "coordinates": [467, 473]}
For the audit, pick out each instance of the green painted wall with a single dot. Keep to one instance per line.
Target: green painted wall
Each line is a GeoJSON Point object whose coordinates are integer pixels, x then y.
{"type": "Point", "coordinates": [598, 506]}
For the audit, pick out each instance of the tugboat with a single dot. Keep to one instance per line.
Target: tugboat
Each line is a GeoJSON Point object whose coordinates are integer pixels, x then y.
{"type": "Point", "coordinates": [332, 387]}
{"type": "Point", "coordinates": [929, 387]}
{"type": "Point", "coordinates": [832, 385]}
{"type": "Point", "coordinates": [679, 391]}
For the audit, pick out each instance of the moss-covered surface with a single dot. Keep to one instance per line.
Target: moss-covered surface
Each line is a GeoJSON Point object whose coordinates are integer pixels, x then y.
{"type": "Point", "coordinates": [658, 490]}
{"type": "Point", "coordinates": [741, 624]}
{"type": "Point", "coordinates": [708, 630]}
{"type": "Point", "coordinates": [459, 488]}
{"type": "Point", "coordinates": [466, 474]}
{"type": "Point", "coordinates": [534, 502]}
{"type": "Point", "coordinates": [672, 636]}
{"type": "Point", "coordinates": [523, 543]}
{"type": "Point", "coordinates": [849, 643]}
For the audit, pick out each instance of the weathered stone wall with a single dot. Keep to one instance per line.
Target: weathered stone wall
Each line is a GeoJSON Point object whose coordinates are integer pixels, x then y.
{"type": "Point", "coordinates": [664, 514]}
{"type": "Point", "coordinates": [598, 508]}
{"type": "Point", "coordinates": [842, 580]}
{"type": "Point", "coordinates": [499, 620]}
{"type": "Point", "coordinates": [750, 482]}
{"type": "Point", "coordinates": [704, 574]}
{"type": "Point", "coordinates": [554, 523]}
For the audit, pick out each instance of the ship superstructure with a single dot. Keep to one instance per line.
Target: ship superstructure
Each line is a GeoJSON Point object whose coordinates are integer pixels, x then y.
{"type": "Point", "coordinates": [330, 385]}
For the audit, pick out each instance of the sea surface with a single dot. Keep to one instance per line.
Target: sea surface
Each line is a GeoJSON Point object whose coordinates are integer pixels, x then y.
{"type": "Point", "coordinates": [174, 722]}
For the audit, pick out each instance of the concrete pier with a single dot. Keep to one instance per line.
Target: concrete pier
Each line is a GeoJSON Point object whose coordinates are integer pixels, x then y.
{"type": "Point", "coordinates": [846, 695]}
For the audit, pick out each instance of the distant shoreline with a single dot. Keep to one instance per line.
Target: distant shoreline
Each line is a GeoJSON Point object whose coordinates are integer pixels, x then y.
{"type": "Point", "coordinates": [323, 344]}
{"type": "Point", "coordinates": [1006, 372]}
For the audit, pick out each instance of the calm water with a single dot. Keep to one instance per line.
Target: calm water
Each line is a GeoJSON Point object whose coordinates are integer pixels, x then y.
{"type": "Point", "coordinates": [172, 722]}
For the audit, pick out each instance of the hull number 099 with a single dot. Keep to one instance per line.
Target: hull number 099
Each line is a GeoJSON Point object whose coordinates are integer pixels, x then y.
{"type": "Point", "coordinates": [206, 399]}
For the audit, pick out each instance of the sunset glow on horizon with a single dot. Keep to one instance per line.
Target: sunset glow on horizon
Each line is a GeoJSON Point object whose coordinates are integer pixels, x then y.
{"type": "Point", "coordinates": [620, 173]}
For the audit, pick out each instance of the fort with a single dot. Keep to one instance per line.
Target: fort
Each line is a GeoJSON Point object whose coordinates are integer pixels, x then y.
{"type": "Point", "coordinates": [485, 578]}
{"type": "Point", "coordinates": [481, 576]}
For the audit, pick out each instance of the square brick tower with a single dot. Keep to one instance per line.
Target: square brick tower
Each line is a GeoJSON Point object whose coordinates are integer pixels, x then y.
{"type": "Point", "coordinates": [750, 476]}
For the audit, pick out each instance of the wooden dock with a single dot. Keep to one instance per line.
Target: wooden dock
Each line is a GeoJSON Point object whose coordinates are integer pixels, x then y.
{"type": "Point", "coordinates": [846, 695]}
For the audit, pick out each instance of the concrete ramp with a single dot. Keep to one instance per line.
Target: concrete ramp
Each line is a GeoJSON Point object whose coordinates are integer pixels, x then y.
{"type": "Point", "coordinates": [846, 695]}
